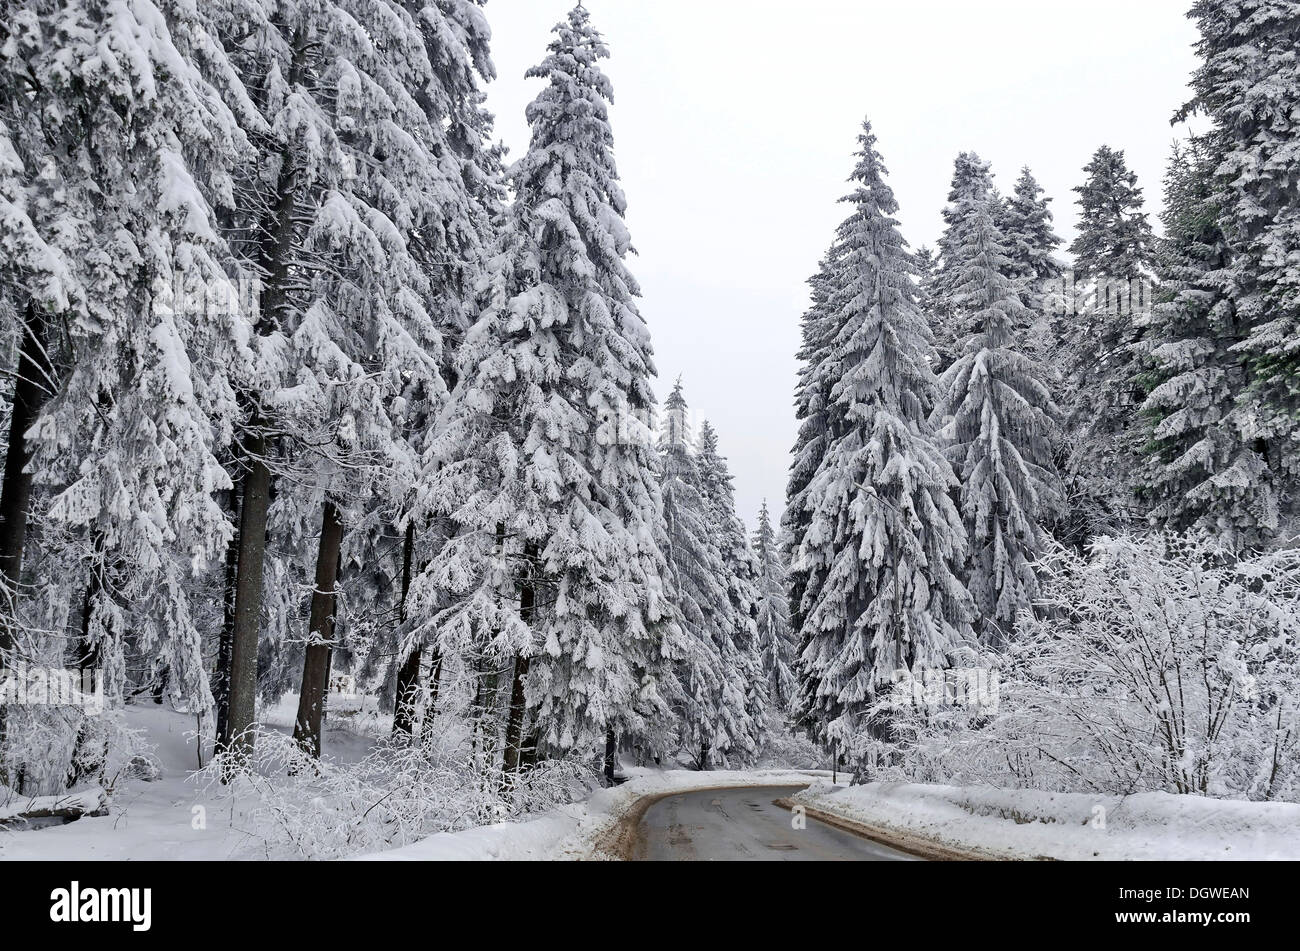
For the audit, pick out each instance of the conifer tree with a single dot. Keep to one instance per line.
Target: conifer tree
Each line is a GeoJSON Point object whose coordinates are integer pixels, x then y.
{"type": "Point", "coordinates": [775, 644]}
{"type": "Point", "coordinates": [997, 414]}
{"type": "Point", "coordinates": [1102, 345]}
{"type": "Point", "coordinates": [1198, 472]}
{"type": "Point", "coordinates": [711, 689]}
{"type": "Point", "coordinates": [883, 531]}
{"type": "Point", "coordinates": [950, 323]}
{"type": "Point", "coordinates": [1031, 248]}
{"type": "Point", "coordinates": [558, 412]}
{"type": "Point", "coordinates": [1247, 86]}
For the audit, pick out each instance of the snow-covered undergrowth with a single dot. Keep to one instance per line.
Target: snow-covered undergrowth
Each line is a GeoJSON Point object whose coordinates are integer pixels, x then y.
{"type": "Point", "coordinates": [396, 795]}
{"type": "Point", "coordinates": [575, 832]}
{"type": "Point", "coordinates": [1159, 664]}
{"type": "Point", "coordinates": [1023, 824]}
{"type": "Point", "coordinates": [365, 794]}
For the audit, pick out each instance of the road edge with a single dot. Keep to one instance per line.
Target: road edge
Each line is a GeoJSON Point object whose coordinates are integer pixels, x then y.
{"type": "Point", "coordinates": [921, 848]}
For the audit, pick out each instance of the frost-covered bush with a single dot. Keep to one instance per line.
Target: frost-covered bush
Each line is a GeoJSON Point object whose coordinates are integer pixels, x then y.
{"type": "Point", "coordinates": [398, 794]}
{"type": "Point", "coordinates": [1158, 663]}
{"type": "Point", "coordinates": [784, 748]}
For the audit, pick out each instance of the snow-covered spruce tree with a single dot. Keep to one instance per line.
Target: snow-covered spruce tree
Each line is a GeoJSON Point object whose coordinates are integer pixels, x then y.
{"type": "Point", "coordinates": [363, 225]}
{"type": "Point", "coordinates": [1102, 342]}
{"type": "Point", "coordinates": [997, 415]}
{"type": "Point", "coordinates": [813, 410]}
{"type": "Point", "coordinates": [141, 145]}
{"type": "Point", "coordinates": [710, 688]}
{"type": "Point", "coordinates": [776, 646]}
{"type": "Point", "coordinates": [884, 532]}
{"type": "Point", "coordinates": [1032, 244]}
{"type": "Point", "coordinates": [1198, 471]}
{"type": "Point", "coordinates": [457, 42]}
{"type": "Point", "coordinates": [950, 322]}
{"type": "Point", "coordinates": [1247, 85]}
{"type": "Point", "coordinates": [39, 287]}
{"type": "Point", "coordinates": [927, 263]}
{"type": "Point", "coordinates": [566, 399]}
{"type": "Point", "coordinates": [739, 643]}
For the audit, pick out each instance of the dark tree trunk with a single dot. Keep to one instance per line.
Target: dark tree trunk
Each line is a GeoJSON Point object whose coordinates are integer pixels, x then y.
{"type": "Point", "coordinates": [512, 756]}
{"type": "Point", "coordinates": [316, 663]}
{"type": "Point", "coordinates": [88, 756]}
{"type": "Point", "coordinates": [275, 256]}
{"type": "Point", "coordinates": [225, 646]}
{"type": "Point", "coordinates": [31, 389]}
{"type": "Point", "coordinates": [431, 707]}
{"type": "Point", "coordinates": [408, 677]}
{"type": "Point", "coordinates": [611, 751]}
{"type": "Point", "coordinates": [531, 748]}
{"type": "Point", "coordinates": [248, 604]}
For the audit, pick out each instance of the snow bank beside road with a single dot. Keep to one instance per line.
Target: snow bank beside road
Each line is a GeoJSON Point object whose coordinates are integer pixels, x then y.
{"type": "Point", "coordinates": [1024, 824]}
{"type": "Point", "coordinates": [571, 833]}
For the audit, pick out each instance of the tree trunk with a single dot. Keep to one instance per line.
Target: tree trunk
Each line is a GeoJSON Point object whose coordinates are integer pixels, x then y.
{"type": "Point", "coordinates": [31, 389]}
{"type": "Point", "coordinates": [88, 756]}
{"type": "Point", "coordinates": [225, 646]}
{"type": "Point", "coordinates": [315, 668]}
{"type": "Point", "coordinates": [512, 755]}
{"type": "Point", "coordinates": [275, 257]}
{"type": "Point", "coordinates": [408, 677]}
{"type": "Point", "coordinates": [611, 750]}
{"type": "Point", "coordinates": [248, 604]}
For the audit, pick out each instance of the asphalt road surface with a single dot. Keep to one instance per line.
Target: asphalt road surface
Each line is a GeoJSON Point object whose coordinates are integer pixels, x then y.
{"type": "Point", "coordinates": [745, 825]}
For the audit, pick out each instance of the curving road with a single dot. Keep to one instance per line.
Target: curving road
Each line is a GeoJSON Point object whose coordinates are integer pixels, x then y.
{"type": "Point", "coordinates": [745, 825]}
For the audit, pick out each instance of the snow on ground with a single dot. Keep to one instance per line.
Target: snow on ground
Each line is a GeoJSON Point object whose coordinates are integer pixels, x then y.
{"type": "Point", "coordinates": [573, 833]}
{"type": "Point", "coordinates": [1022, 824]}
{"type": "Point", "coordinates": [176, 817]}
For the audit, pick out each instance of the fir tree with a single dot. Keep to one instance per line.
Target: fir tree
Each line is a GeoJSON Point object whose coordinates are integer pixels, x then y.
{"type": "Point", "coordinates": [1031, 249]}
{"type": "Point", "coordinates": [1102, 346]}
{"type": "Point", "coordinates": [711, 689]}
{"type": "Point", "coordinates": [775, 644]}
{"type": "Point", "coordinates": [1198, 473]}
{"type": "Point", "coordinates": [950, 322]}
{"type": "Point", "coordinates": [739, 638]}
{"type": "Point", "coordinates": [1247, 85]}
{"type": "Point", "coordinates": [996, 413]}
{"type": "Point", "coordinates": [884, 534]}
{"type": "Point", "coordinates": [558, 409]}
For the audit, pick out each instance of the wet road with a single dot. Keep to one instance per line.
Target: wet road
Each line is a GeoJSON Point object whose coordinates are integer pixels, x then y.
{"type": "Point", "coordinates": [744, 825]}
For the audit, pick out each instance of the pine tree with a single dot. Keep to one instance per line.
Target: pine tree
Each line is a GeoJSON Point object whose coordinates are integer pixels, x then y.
{"type": "Point", "coordinates": [1031, 248]}
{"type": "Point", "coordinates": [140, 149]}
{"type": "Point", "coordinates": [1247, 86]}
{"type": "Point", "coordinates": [950, 322]}
{"type": "Point", "coordinates": [739, 636]}
{"type": "Point", "coordinates": [776, 646]}
{"type": "Point", "coordinates": [709, 699]}
{"type": "Point", "coordinates": [1102, 339]}
{"type": "Point", "coordinates": [364, 222]}
{"type": "Point", "coordinates": [813, 410]}
{"type": "Point", "coordinates": [1115, 239]}
{"type": "Point", "coordinates": [996, 413]}
{"type": "Point", "coordinates": [1198, 473]}
{"type": "Point", "coordinates": [883, 532]}
{"type": "Point", "coordinates": [567, 366]}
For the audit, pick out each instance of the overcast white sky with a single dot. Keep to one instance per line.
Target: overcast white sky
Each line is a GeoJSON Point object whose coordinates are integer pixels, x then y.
{"type": "Point", "coordinates": [735, 122]}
